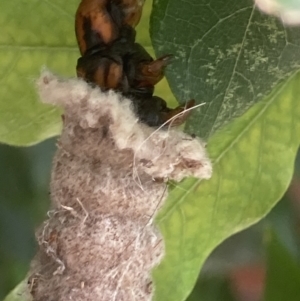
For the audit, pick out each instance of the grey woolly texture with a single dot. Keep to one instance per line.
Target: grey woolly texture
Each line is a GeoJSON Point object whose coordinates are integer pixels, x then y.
{"type": "Point", "coordinates": [108, 182]}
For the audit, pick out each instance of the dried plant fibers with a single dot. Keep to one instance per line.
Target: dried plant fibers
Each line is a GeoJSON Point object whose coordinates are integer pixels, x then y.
{"type": "Point", "coordinates": [99, 242]}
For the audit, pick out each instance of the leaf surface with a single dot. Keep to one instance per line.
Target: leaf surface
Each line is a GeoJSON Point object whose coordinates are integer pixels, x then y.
{"type": "Point", "coordinates": [228, 55]}
{"type": "Point", "coordinates": [34, 34]}
{"type": "Point", "coordinates": [253, 159]}
{"type": "Point", "coordinates": [19, 293]}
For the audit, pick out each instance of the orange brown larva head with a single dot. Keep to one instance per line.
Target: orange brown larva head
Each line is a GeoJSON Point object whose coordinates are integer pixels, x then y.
{"type": "Point", "coordinates": [105, 72]}
{"type": "Point", "coordinates": [99, 21]}
{"type": "Point", "coordinates": [94, 24]}
{"type": "Point", "coordinates": [111, 59]}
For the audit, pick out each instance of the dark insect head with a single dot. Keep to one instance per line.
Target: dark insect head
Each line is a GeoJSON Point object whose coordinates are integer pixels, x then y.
{"type": "Point", "coordinates": [111, 59]}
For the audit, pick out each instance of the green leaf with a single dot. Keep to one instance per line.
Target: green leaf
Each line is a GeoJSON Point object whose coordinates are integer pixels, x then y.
{"type": "Point", "coordinates": [229, 55]}
{"type": "Point", "coordinates": [34, 34]}
{"type": "Point", "coordinates": [19, 293]}
{"type": "Point", "coordinates": [283, 272]}
{"type": "Point", "coordinates": [252, 166]}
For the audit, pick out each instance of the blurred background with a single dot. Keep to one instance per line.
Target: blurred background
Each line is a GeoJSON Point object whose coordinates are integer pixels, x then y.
{"type": "Point", "coordinates": [260, 263]}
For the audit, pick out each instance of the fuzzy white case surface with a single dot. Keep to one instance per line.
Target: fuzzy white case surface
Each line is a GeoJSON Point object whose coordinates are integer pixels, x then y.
{"type": "Point", "coordinates": [108, 182]}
